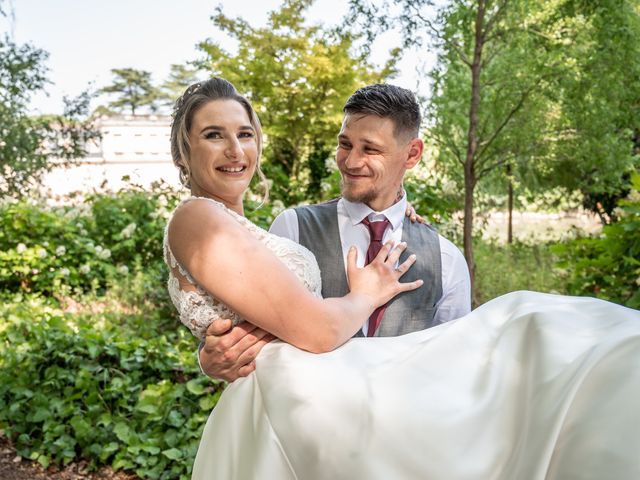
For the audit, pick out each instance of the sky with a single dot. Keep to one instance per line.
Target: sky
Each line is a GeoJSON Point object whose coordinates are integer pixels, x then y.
{"type": "Point", "coordinates": [87, 38]}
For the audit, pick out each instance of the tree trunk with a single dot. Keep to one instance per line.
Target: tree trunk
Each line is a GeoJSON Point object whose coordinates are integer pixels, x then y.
{"type": "Point", "coordinates": [467, 231]}
{"type": "Point", "coordinates": [472, 146]}
{"type": "Point", "coordinates": [510, 207]}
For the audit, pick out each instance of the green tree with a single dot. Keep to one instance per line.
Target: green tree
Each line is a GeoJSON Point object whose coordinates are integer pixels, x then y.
{"type": "Point", "coordinates": [298, 78]}
{"type": "Point", "coordinates": [598, 101]}
{"type": "Point", "coordinates": [180, 77]}
{"type": "Point", "coordinates": [28, 144]}
{"type": "Point", "coordinates": [133, 89]}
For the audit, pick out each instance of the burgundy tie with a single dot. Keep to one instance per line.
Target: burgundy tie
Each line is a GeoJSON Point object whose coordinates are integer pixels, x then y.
{"type": "Point", "coordinates": [376, 232]}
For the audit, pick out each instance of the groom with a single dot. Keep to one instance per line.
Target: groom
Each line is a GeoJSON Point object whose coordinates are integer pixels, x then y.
{"type": "Point", "coordinates": [377, 144]}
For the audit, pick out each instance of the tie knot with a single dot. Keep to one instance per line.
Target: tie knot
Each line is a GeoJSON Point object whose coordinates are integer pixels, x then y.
{"type": "Point", "coordinates": [376, 229]}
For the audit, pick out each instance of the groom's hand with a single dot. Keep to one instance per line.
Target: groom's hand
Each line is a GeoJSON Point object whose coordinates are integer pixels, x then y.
{"type": "Point", "coordinates": [229, 353]}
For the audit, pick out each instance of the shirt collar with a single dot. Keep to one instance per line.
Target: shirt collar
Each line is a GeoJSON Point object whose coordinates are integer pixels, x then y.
{"type": "Point", "coordinates": [395, 213]}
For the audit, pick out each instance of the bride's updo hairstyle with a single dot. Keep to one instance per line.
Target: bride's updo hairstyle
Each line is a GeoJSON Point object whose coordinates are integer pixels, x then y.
{"type": "Point", "coordinates": [195, 97]}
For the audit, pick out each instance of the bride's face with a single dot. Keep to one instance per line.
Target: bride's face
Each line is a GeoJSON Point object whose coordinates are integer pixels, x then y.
{"type": "Point", "coordinates": [223, 151]}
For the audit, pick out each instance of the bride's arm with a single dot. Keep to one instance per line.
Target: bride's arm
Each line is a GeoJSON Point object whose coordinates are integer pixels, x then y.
{"type": "Point", "coordinates": [227, 261]}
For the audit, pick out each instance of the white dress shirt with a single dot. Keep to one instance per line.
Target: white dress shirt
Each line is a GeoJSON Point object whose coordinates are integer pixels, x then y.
{"type": "Point", "coordinates": [456, 287]}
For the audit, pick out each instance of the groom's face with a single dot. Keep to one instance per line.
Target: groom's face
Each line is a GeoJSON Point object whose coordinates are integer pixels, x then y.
{"type": "Point", "coordinates": [372, 160]}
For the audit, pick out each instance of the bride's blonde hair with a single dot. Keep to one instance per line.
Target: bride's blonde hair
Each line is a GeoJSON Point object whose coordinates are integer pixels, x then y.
{"type": "Point", "coordinates": [194, 97]}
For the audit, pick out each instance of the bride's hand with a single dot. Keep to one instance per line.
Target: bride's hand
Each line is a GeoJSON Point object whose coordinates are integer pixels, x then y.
{"type": "Point", "coordinates": [413, 215]}
{"type": "Point", "coordinates": [380, 280]}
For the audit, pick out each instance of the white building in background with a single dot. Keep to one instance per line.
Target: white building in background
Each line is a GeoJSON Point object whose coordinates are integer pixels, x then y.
{"type": "Point", "coordinates": [137, 147]}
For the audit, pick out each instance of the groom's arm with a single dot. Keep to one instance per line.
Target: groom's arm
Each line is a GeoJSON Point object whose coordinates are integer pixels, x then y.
{"type": "Point", "coordinates": [229, 353]}
{"type": "Point", "coordinates": [456, 284]}
{"type": "Point", "coordinates": [286, 225]}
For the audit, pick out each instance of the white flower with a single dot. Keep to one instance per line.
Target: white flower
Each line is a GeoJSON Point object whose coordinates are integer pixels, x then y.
{"type": "Point", "coordinates": [21, 248]}
{"type": "Point", "coordinates": [128, 230]}
{"type": "Point", "coordinates": [42, 253]}
{"type": "Point", "coordinates": [83, 232]}
{"type": "Point", "coordinates": [618, 212]}
{"type": "Point", "coordinates": [162, 201]}
{"type": "Point", "coordinates": [330, 164]}
{"type": "Point", "coordinates": [85, 269]}
{"type": "Point", "coordinates": [253, 197]}
{"type": "Point", "coordinates": [634, 196]}
{"type": "Point", "coordinates": [46, 244]}
{"type": "Point", "coordinates": [277, 207]}
{"type": "Point", "coordinates": [123, 269]}
{"type": "Point", "coordinates": [64, 272]}
{"type": "Point", "coordinates": [61, 250]}
{"type": "Point", "coordinates": [104, 253]}
{"type": "Point", "coordinates": [449, 187]}
{"type": "Point", "coordinates": [99, 249]}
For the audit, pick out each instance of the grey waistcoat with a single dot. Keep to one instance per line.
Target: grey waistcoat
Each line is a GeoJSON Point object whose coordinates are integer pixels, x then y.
{"type": "Point", "coordinates": [408, 311]}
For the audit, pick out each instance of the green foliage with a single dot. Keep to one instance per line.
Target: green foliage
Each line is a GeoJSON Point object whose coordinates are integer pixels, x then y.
{"type": "Point", "coordinates": [298, 78]}
{"type": "Point", "coordinates": [133, 89]}
{"type": "Point", "coordinates": [28, 144]}
{"type": "Point", "coordinates": [94, 363]}
{"type": "Point", "coordinates": [180, 77]}
{"type": "Point", "coordinates": [595, 101]}
{"type": "Point", "coordinates": [504, 268]}
{"type": "Point", "coordinates": [107, 387]}
{"type": "Point", "coordinates": [430, 196]}
{"type": "Point", "coordinates": [85, 247]}
{"type": "Point", "coordinates": [608, 266]}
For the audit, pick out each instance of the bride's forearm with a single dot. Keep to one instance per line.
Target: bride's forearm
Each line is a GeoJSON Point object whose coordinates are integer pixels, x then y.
{"type": "Point", "coordinates": [334, 321]}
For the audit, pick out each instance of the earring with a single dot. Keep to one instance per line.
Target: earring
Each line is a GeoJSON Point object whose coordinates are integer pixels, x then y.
{"type": "Point", "coordinates": [184, 177]}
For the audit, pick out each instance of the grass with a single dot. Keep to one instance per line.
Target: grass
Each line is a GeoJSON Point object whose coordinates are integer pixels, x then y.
{"type": "Point", "coordinates": [503, 268]}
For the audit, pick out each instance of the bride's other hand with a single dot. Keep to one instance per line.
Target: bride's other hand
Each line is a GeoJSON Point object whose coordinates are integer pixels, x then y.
{"type": "Point", "coordinates": [380, 280]}
{"type": "Point", "coordinates": [413, 215]}
{"type": "Point", "coordinates": [229, 353]}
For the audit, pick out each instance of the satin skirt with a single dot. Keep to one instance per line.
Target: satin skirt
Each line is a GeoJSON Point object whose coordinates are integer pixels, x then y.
{"type": "Point", "coordinates": [527, 386]}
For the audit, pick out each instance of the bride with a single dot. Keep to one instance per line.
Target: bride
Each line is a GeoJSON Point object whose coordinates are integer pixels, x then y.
{"type": "Point", "coordinates": [527, 386]}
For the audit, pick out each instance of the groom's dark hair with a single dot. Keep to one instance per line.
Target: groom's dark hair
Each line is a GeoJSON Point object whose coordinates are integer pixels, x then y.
{"type": "Point", "coordinates": [388, 101]}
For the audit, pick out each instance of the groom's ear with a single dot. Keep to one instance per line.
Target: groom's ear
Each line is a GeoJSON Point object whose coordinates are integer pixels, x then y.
{"type": "Point", "coordinates": [414, 153]}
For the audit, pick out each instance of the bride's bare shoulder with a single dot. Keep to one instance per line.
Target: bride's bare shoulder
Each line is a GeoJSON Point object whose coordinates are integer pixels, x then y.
{"type": "Point", "coordinates": [198, 217]}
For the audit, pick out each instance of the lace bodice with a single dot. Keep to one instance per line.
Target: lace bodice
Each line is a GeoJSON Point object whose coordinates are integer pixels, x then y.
{"type": "Point", "coordinates": [198, 309]}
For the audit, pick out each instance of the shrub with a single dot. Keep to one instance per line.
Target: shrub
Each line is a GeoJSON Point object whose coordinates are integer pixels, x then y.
{"type": "Point", "coordinates": [103, 387]}
{"type": "Point", "coordinates": [61, 250]}
{"type": "Point", "coordinates": [608, 266]}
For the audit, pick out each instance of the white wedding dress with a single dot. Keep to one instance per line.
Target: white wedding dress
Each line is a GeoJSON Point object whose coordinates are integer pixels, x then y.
{"type": "Point", "coordinates": [528, 386]}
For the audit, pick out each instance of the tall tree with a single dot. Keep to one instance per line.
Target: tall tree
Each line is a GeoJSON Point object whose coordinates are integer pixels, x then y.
{"type": "Point", "coordinates": [28, 144]}
{"type": "Point", "coordinates": [298, 78]}
{"type": "Point", "coordinates": [133, 90]}
{"type": "Point", "coordinates": [180, 77]}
